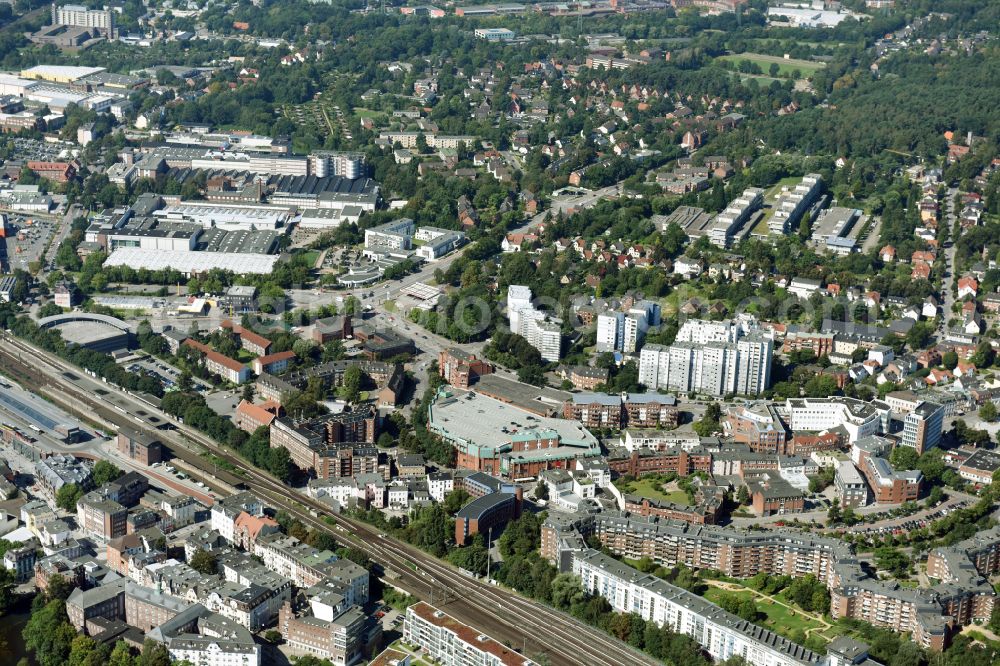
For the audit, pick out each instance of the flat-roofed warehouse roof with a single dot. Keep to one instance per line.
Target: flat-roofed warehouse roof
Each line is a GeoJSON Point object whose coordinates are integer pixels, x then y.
{"type": "Point", "coordinates": [193, 262]}
{"type": "Point", "coordinates": [490, 425]}
{"type": "Point", "coordinates": [59, 72]}
{"type": "Point", "coordinates": [543, 401]}
{"type": "Point", "coordinates": [112, 80]}
{"type": "Point", "coordinates": [208, 214]}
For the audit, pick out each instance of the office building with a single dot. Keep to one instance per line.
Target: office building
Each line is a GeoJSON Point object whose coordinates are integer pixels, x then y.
{"type": "Point", "coordinates": [891, 486]}
{"type": "Point", "coordinates": [330, 442]}
{"type": "Point", "coordinates": [856, 418]}
{"type": "Point", "coordinates": [486, 514]}
{"type": "Point", "coordinates": [326, 628]}
{"type": "Point", "coordinates": [139, 447]}
{"type": "Point", "coordinates": [391, 236]}
{"type": "Point", "coordinates": [851, 488]}
{"type": "Point", "coordinates": [922, 427]}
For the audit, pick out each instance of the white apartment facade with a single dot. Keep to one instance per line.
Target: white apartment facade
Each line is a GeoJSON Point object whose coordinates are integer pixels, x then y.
{"type": "Point", "coordinates": [721, 634]}
{"type": "Point", "coordinates": [712, 359]}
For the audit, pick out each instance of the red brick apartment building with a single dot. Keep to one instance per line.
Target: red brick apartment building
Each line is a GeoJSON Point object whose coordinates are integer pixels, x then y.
{"type": "Point", "coordinates": [460, 368]}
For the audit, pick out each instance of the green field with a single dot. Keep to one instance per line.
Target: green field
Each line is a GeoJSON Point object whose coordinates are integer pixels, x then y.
{"type": "Point", "coordinates": [761, 80]}
{"type": "Point", "coordinates": [367, 113]}
{"type": "Point", "coordinates": [785, 67]}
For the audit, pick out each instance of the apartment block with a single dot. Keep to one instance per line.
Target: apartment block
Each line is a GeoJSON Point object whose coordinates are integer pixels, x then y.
{"type": "Point", "coordinates": [80, 16]}
{"type": "Point", "coordinates": [460, 368]}
{"type": "Point", "coordinates": [721, 634]}
{"type": "Point", "coordinates": [542, 332]}
{"type": "Point", "coordinates": [731, 221]}
{"type": "Point", "coordinates": [793, 202]}
{"type": "Point", "coordinates": [310, 443]}
{"type": "Point", "coordinates": [448, 642]}
{"type": "Point", "coordinates": [700, 362]}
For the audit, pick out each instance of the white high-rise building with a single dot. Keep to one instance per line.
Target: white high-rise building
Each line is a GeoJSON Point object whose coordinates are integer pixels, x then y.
{"type": "Point", "coordinates": [714, 358]}
{"type": "Point", "coordinates": [542, 332]}
{"type": "Point", "coordinates": [345, 165]}
{"type": "Point", "coordinates": [83, 17]}
{"type": "Point", "coordinates": [607, 332]}
{"type": "Point", "coordinates": [619, 331]}
{"type": "Point", "coordinates": [633, 332]}
{"type": "Point", "coordinates": [518, 297]}
{"type": "Point", "coordinates": [702, 332]}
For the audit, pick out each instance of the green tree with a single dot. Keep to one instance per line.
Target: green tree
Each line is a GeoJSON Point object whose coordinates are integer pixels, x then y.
{"type": "Point", "coordinates": [59, 587]}
{"type": "Point", "coordinates": [68, 496]}
{"type": "Point", "coordinates": [892, 560]}
{"type": "Point", "coordinates": [121, 655]}
{"type": "Point", "coordinates": [204, 561]}
{"type": "Point", "coordinates": [153, 654]}
{"type": "Point", "coordinates": [903, 458]}
{"type": "Point", "coordinates": [743, 495]}
{"type": "Point", "coordinates": [455, 500]}
{"type": "Point", "coordinates": [988, 412]}
{"type": "Point", "coordinates": [49, 635]}
{"type": "Point", "coordinates": [105, 472]}
{"type": "Point", "coordinates": [350, 389]}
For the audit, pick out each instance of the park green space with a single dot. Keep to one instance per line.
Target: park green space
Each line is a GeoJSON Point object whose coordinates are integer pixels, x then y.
{"type": "Point", "coordinates": [781, 619]}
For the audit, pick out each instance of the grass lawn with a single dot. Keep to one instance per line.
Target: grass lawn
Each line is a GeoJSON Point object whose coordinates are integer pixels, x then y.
{"type": "Point", "coordinates": [678, 497]}
{"type": "Point", "coordinates": [367, 113]}
{"type": "Point", "coordinates": [779, 619]}
{"type": "Point", "coordinates": [761, 227]}
{"type": "Point", "coordinates": [761, 80]}
{"type": "Point", "coordinates": [774, 190]}
{"type": "Point", "coordinates": [785, 67]}
{"type": "Point", "coordinates": [651, 489]}
{"type": "Point", "coordinates": [311, 256]}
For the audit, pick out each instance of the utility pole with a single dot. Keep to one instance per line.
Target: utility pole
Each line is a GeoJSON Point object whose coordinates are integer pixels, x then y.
{"type": "Point", "coordinates": [489, 560]}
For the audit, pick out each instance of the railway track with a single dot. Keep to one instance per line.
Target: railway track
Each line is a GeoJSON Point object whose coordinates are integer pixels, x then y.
{"type": "Point", "coordinates": [520, 622]}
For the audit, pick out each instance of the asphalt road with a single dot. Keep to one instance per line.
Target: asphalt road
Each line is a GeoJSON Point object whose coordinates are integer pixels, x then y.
{"type": "Point", "coordinates": [500, 613]}
{"type": "Point", "coordinates": [947, 299]}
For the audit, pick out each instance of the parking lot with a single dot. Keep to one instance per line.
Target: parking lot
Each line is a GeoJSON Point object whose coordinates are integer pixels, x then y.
{"type": "Point", "coordinates": [223, 403]}
{"type": "Point", "coordinates": [26, 239]}
{"type": "Point", "coordinates": [158, 369]}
